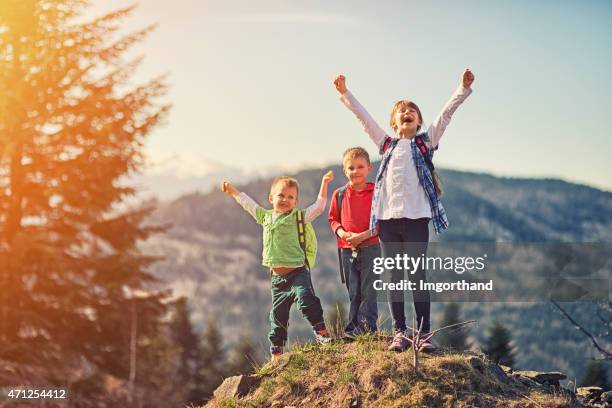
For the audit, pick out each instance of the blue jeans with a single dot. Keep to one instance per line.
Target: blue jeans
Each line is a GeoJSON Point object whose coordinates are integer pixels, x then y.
{"type": "Point", "coordinates": [359, 276]}
{"type": "Point", "coordinates": [294, 287]}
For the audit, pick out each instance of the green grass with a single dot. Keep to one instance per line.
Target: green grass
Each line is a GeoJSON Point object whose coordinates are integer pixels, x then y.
{"type": "Point", "coordinates": [336, 374]}
{"type": "Point", "coordinates": [230, 403]}
{"type": "Point", "coordinates": [346, 377]}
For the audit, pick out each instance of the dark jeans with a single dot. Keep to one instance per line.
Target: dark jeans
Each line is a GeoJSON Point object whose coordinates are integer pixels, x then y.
{"type": "Point", "coordinates": [406, 236]}
{"type": "Point", "coordinates": [286, 289]}
{"type": "Point", "coordinates": [359, 276]}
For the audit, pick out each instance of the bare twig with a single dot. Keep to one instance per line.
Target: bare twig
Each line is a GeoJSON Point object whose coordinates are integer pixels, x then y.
{"type": "Point", "coordinates": [417, 341]}
{"type": "Point", "coordinates": [607, 354]}
{"type": "Point", "coordinates": [603, 319]}
{"type": "Point", "coordinates": [433, 333]}
{"type": "Point", "coordinates": [416, 344]}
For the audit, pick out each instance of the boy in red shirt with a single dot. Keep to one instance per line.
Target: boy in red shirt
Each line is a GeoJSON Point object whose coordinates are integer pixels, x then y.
{"type": "Point", "coordinates": [350, 221]}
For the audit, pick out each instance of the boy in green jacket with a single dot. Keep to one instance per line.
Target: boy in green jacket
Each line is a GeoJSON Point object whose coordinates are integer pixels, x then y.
{"type": "Point", "coordinates": [283, 254]}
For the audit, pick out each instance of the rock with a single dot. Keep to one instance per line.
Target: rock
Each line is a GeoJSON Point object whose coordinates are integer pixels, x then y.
{"type": "Point", "coordinates": [507, 370]}
{"type": "Point", "coordinates": [589, 392]}
{"type": "Point", "coordinates": [606, 397]}
{"type": "Point", "coordinates": [543, 377]}
{"type": "Point", "coordinates": [476, 363]}
{"type": "Point", "coordinates": [476, 353]}
{"type": "Point", "coordinates": [527, 381]}
{"type": "Point", "coordinates": [498, 372]}
{"type": "Point", "coordinates": [236, 386]}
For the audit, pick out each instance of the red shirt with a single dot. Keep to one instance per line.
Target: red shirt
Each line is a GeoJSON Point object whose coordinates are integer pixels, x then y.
{"type": "Point", "coordinates": [356, 207]}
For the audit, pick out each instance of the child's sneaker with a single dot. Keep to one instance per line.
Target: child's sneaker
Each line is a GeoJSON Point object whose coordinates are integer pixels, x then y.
{"type": "Point", "coordinates": [351, 335]}
{"type": "Point", "coordinates": [276, 352]}
{"type": "Point", "coordinates": [321, 334]}
{"type": "Point", "coordinates": [428, 347]}
{"type": "Point", "coordinates": [400, 342]}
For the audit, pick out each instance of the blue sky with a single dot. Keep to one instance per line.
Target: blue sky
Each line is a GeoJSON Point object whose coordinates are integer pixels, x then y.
{"type": "Point", "coordinates": [251, 81]}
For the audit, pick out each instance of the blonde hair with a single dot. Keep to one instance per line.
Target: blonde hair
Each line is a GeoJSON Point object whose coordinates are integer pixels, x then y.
{"type": "Point", "coordinates": [354, 153]}
{"type": "Point", "coordinates": [404, 104]}
{"type": "Point", "coordinates": [286, 181]}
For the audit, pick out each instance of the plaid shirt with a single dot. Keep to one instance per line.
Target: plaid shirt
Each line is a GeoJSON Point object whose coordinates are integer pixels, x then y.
{"type": "Point", "coordinates": [439, 219]}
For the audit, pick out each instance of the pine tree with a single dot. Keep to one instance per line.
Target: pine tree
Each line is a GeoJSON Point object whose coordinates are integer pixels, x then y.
{"type": "Point", "coordinates": [159, 378]}
{"type": "Point", "coordinates": [213, 359]}
{"type": "Point", "coordinates": [454, 339]}
{"type": "Point", "coordinates": [72, 128]}
{"type": "Point", "coordinates": [497, 345]}
{"type": "Point", "coordinates": [596, 375]}
{"type": "Point", "coordinates": [190, 370]}
{"type": "Point", "coordinates": [241, 358]}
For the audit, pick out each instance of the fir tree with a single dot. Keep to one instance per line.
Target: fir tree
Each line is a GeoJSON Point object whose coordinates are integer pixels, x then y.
{"type": "Point", "coordinates": [596, 375]}
{"type": "Point", "coordinates": [241, 358]}
{"type": "Point", "coordinates": [497, 345]}
{"type": "Point", "coordinates": [159, 376]}
{"type": "Point", "coordinates": [454, 339]}
{"type": "Point", "coordinates": [190, 370]}
{"type": "Point", "coordinates": [213, 359]}
{"type": "Point", "coordinates": [72, 128]}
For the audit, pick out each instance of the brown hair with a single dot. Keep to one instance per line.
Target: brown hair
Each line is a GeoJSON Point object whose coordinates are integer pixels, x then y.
{"type": "Point", "coordinates": [354, 153]}
{"type": "Point", "coordinates": [404, 104]}
{"type": "Point", "coordinates": [287, 181]}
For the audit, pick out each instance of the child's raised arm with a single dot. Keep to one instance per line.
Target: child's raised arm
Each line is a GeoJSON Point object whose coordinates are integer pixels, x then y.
{"type": "Point", "coordinates": [436, 130]}
{"type": "Point", "coordinates": [369, 124]}
{"type": "Point", "coordinates": [317, 208]}
{"type": "Point", "coordinates": [243, 199]}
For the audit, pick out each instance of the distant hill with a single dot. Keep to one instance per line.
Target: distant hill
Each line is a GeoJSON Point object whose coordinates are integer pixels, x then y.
{"type": "Point", "coordinates": [212, 255]}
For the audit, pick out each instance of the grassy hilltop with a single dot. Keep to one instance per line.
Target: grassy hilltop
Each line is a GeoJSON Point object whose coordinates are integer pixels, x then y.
{"type": "Point", "coordinates": [365, 374]}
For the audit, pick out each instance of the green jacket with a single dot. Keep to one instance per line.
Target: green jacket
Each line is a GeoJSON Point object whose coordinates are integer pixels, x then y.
{"type": "Point", "coordinates": [281, 245]}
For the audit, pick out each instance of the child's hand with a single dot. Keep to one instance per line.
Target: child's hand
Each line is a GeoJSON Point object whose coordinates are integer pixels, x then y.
{"type": "Point", "coordinates": [340, 83]}
{"type": "Point", "coordinates": [328, 177]}
{"type": "Point", "coordinates": [345, 235]}
{"type": "Point", "coordinates": [356, 239]}
{"type": "Point", "coordinates": [228, 189]}
{"type": "Point", "coordinates": [468, 78]}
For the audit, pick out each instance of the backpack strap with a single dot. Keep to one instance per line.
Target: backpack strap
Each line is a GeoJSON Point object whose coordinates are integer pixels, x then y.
{"type": "Point", "coordinates": [301, 226]}
{"type": "Point", "coordinates": [386, 144]}
{"type": "Point", "coordinates": [339, 199]}
{"type": "Point", "coordinates": [424, 151]}
{"type": "Point", "coordinates": [302, 235]}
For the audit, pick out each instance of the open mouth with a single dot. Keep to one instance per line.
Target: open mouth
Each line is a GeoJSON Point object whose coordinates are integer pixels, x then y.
{"type": "Point", "coordinates": [407, 119]}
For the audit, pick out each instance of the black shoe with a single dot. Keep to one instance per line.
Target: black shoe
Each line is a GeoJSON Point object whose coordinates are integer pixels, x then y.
{"type": "Point", "coordinates": [351, 335]}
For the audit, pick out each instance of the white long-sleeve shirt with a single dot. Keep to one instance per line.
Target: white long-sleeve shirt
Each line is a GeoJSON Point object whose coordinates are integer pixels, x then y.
{"type": "Point", "coordinates": [250, 206]}
{"type": "Point", "coordinates": [401, 194]}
